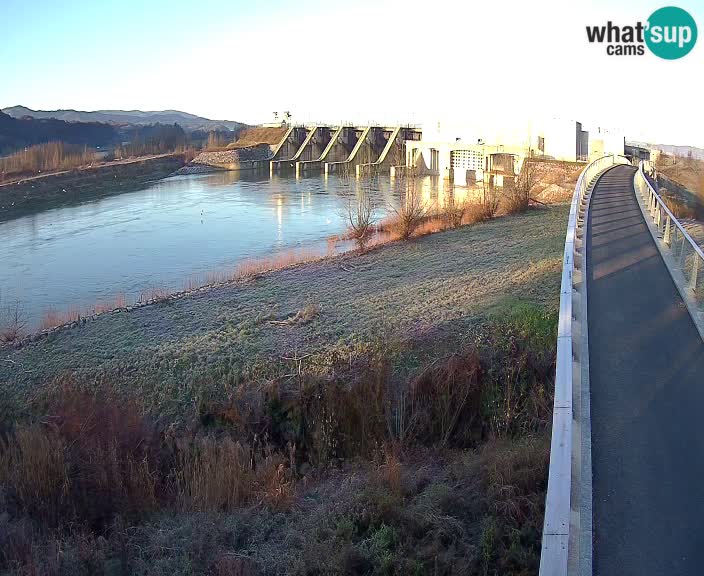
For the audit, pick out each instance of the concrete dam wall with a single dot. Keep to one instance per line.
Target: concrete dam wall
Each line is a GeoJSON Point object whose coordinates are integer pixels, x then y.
{"type": "Point", "coordinates": [311, 149]}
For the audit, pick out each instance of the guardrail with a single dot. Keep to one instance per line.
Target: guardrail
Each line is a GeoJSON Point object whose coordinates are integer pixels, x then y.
{"type": "Point", "coordinates": [555, 554]}
{"type": "Point", "coordinates": [684, 249]}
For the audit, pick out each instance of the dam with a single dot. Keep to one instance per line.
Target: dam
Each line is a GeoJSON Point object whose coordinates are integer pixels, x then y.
{"type": "Point", "coordinates": [317, 149]}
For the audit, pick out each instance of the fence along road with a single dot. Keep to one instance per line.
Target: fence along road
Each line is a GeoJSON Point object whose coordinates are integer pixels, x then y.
{"type": "Point", "coordinates": [646, 368]}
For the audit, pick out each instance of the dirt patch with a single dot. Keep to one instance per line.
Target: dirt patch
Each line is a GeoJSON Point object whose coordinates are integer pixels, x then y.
{"type": "Point", "coordinates": [687, 172]}
{"type": "Point", "coordinates": [270, 136]}
{"type": "Point", "coordinates": [556, 182]}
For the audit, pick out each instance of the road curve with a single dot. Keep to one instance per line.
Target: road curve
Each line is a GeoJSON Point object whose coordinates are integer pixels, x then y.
{"type": "Point", "coordinates": [646, 373]}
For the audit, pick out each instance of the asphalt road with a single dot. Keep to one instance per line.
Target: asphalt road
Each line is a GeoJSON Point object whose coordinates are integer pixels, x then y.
{"type": "Point", "coordinates": [647, 397]}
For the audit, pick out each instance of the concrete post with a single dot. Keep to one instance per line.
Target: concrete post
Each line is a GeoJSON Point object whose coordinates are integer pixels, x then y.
{"type": "Point", "coordinates": [695, 274]}
{"type": "Point", "coordinates": [666, 238]}
{"type": "Point", "coordinates": [683, 253]}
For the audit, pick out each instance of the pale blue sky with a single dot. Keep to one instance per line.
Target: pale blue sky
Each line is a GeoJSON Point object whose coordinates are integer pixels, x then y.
{"type": "Point", "coordinates": [379, 60]}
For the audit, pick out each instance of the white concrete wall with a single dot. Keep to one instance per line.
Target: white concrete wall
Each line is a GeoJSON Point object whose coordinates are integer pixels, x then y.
{"type": "Point", "coordinates": [560, 139]}
{"type": "Point", "coordinates": [605, 141]}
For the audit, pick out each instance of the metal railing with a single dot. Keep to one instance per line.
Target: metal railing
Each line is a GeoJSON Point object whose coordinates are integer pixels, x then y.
{"type": "Point", "coordinates": [556, 528]}
{"type": "Point", "coordinates": [686, 252]}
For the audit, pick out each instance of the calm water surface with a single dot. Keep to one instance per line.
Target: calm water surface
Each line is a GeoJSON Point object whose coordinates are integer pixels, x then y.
{"type": "Point", "coordinates": [175, 229]}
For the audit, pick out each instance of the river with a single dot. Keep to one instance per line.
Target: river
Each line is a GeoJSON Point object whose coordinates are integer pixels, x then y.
{"type": "Point", "coordinates": [182, 227]}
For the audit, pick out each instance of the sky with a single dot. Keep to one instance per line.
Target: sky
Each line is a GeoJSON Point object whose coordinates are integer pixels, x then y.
{"type": "Point", "coordinates": [479, 64]}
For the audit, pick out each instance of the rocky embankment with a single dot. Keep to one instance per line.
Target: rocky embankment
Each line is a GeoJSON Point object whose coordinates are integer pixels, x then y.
{"type": "Point", "coordinates": [234, 159]}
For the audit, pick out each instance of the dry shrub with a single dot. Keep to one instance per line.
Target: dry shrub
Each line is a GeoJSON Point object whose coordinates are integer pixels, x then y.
{"type": "Point", "coordinates": [54, 318]}
{"type": "Point", "coordinates": [46, 157]}
{"type": "Point", "coordinates": [454, 210]}
{"type": "Point", "coordinates": [482, 210]}
{"type": "Point", "coordinates": [155, 294]}
{"type": "Point", "coordinates": [430, 226]}
{"type": "Point", "coordinates": [515, 482]}
{"type": "Point", "coordinates": [680, 209]}
{"type": "Point", "coordinates": [33, 463]}
{"type": "Point", "coordinates": [444, 395]}
{"type": "Point", "coordinates": [514, 471]}
{"type": "Point", "coordinates": [220, 474]}
{"type": "Point", "coordinates": [517, 195]}
{"type": "Point", "coordinates": [411, 212]}
{"type": "Point", "coordinates": [328, 419]}
{"type": "Point", "coordinates": [115, 455]}
{"type": "Point", "coordinates": [117, 302]}
{"type": "Point", "coordinates": [213, 475]}
{"type": "Point", "coordinates": [255, 266]}
{"type": "Point", "coordinates": [391, 471]}
{"type": "Point", "coordinates": [303, 316]}
{"type": "Point", "coordinates": [360, 215]}
{"type": "Point", "coordinates": [12, 322]}
{"type": "Point", "coordinates": [91, 460]}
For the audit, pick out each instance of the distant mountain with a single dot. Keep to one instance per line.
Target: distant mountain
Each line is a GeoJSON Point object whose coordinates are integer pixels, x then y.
{"type": "Point", "coordinates": [187, 121]}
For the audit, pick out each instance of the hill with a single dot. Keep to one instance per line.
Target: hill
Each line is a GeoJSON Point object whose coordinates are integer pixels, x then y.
{"type": "Point", "coordinates": [682, 151]}
{"type": "Point", "coordinates": [16, 133]}
{"type": "Point", "coordinates": [673, 149]}
{"type": "Point", "coordinates": [185, 120]}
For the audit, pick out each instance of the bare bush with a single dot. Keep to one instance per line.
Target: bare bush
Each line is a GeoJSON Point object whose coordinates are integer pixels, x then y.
{"type": "Point", "coordinates": [517, 193]}
{"type": "Point", "coordinates": [32, 462]}
{"type": "Point", "coordinates": [444, 393]}
{"type": "Point", "coordinates": [486, 208]}
{"type": "Point", "coordinates": [454, 209]}
{"type": "Point", "coordinates": [12, 322]}
{"type": "Point", "coordinates": [221, 473]}
{"type": "Point", "coordinates": [412, 210]}
{"type": "Point", "coordinates": [360, 215]}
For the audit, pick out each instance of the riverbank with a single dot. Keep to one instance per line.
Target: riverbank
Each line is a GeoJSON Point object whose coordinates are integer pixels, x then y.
{"type": "Point", "coordinates": [435, 285]}
{"type": "Point", "coordinates": [383, 412]}
{"type": "Point", "coordinates": [75, 186]}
